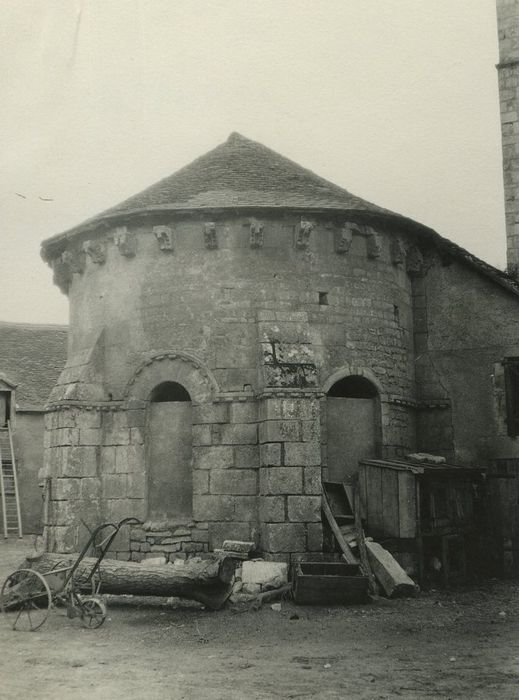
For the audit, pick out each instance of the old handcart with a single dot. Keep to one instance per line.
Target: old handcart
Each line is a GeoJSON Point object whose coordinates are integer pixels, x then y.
{"type": "Point", "coordinates": [27, 596]}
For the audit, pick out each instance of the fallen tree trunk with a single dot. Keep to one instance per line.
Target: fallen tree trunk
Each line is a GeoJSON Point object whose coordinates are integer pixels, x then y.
{"type": "Point", "coordinates": [208, 581]}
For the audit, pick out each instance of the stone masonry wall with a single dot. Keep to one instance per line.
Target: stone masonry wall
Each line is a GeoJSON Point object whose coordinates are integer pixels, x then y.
{"type": "Point", "coordinates": [508, 75]}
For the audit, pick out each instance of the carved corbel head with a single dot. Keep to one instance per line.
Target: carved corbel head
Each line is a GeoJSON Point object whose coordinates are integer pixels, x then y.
{"type": "Point", "coordinates": [164, 236]}
{"type": "Point", "coordinates": [302, 234]}
{"type": "Point", "coordinates": [256, 234]}
{"type": "Point", "coordinates": [210, 237]}
{"type": "Point", "coordinates": [96, 250]}
{"type": "Point", "coordinates": [125, 241]}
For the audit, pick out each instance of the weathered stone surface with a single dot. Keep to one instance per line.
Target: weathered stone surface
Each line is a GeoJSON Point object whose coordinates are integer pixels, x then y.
{"type": "Point", "coordinates": [270, 454]}
{"type": "Point", "coordinates": [246, 456]}
{"type": "Point", "coordinates": [302, 453]}
{"type": "Point", "coordinates": [304, 508]}
{"type": "Point", "coordinates": [280, 431]}
{"type": "Point", "coordinates": [239, 434]}
{"type": "Point", "coordinates": [234, 481]}
{"type": "Point", "coordinates": [315, 537]}
{"type": "Point", "coordinates": [213, 507]}
{"type": "Point", "coordinates": [263, 572]}
{"type": "Point", "coordinates": [272, 509]}
{"type": "Point", "coordinates": [281, 480]}
{"type": "Point", "coordinates": [283, 537]}
{"type": "Point", "coordinates": [214, 457]}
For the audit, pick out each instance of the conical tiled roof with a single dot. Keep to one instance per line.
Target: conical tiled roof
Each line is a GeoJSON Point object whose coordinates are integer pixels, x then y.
{"type": "Point", "coordinates": [239, 173]}
{"type": "Point", "coordinates": [243, 173]}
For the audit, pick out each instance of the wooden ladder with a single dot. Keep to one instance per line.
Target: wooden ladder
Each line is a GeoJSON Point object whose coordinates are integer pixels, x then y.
{"type": "Point", "coordinates": [11, 516]}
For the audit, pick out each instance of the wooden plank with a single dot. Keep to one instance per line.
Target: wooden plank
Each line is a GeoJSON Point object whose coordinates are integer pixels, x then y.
{"type": "Point", "coordinates": [374, 499]}
{"type": "Point", "coordinates": [389, 573]}
{"type": "Point", "coordinates": [346, 551]}
{"type": "Point", "coordinates": [366, 568]}
{"type": "Point", "coordinates": [389, 493]}
{"type": "Point", "coordinates": [407, 513]}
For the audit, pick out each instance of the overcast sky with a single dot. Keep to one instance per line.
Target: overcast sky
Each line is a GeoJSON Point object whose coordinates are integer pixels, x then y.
{"type": "Point", "coordinates": [395, 100]}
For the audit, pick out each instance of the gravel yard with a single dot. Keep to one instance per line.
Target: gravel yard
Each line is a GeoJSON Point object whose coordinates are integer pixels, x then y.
{"type": "Point", "coordinates": [449, 644]}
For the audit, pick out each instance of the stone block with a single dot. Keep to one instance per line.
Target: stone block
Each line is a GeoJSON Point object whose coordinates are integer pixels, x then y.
{"type": "Point", "coordinates": [115, 429]}
{"type": "Point", "coordinates": [304, 409]}
{"type": "Point", "coordinates": [108, 459]}
{"type": "Point", "coordinates": [90, 436]}
{"type": "Point", "coordinates": [312, 481]}
{"type": "Point", "coordinates": [136, 484]}
{"type": "Point", "coordinates": [281, 480]}
{"type": "Point", "coordinates": [304, 508]}
{"type": "Point", "coordinates": [283, 537]}
{"type": "Point", "coordinates": [270, 409]}
{"type": "Point", "coordinates": [234, 481]}
{"type": "Point", "coordinates": [213, 507]}
{"type": "Point", "coordinates": [66, 489]}
{"type": "Point", "coordinates": [200, 481]}
{"type": "Point", "coordinates": [251, 588]}
{"type": "Point", "coordinates": [119, 508]}
{"type": "Point", "coordinates": [129, 458]}
{"type": "Point", "coordinates": [243, 412]}
{"type": "Point", "coordinates": [214, 457]}
{"type": "Point", "coordinates": [211, 413]}
{"type": "Point", "coordinates": [136, 418]}
{"type": "Point", "coordinates": [280, 431]}
{"type": "Point", "coordinates": [65, 512]}
{"type": "Point", "coordinates": [246, 508]}
{"type": "Point", "coordinates": [246, 456]}
{"type": "Point", "coordinates": [90, 488]}
{"type": "Point", "coordinates": [239, 434]}
{"type": "Point", "coordinates": [137, 556]}
{"type": "Point", "coordinates": [272, 509]}
{"type": "Point", "coordinates": [270, 454]}
{"type": "Point", "coordinates": [315, 537]}
{"type": "Point", "coordinates": [137, 436]}
{"type": "Point", "coordinates": [80, 461]}
{"type": "Point", "coordinates": [200, 536]}
{"type": "Point", "coordinates": [310, 431]}
{"type": "Point", "coordinates": [137, 535]}
{"type": "Point", "coordinates": [65, 437]}
{"type": "Point", "coordinates": [202, 435]}
{"type": "Point", "coordinates": [263, 572]}
{"type": "Point", "coordinates": [302, 453]}
{"type": "Point", "coordinates": [114, 486]}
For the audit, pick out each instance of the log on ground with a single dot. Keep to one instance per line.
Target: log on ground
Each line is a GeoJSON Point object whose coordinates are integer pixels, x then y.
{"type": "Point", "coordinates": [208, 581]}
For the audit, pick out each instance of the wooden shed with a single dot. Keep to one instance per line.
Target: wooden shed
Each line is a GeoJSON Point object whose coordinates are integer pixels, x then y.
{"type": "Point", "coordinates": [432, 517]}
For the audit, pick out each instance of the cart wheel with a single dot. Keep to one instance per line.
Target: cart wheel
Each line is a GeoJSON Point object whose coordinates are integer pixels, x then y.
{"type": "Point", "coordinates": [93, 613]}
{"type": "Point", "coordinates": [25, 600]}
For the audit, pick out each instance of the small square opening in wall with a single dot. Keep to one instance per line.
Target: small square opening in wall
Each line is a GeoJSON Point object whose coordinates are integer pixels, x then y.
{"type": "Point", "coordinates": [323, 298]}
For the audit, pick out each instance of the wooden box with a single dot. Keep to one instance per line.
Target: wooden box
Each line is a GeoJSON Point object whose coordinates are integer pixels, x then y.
{"type": "Point", "coordinates": [329, 583]}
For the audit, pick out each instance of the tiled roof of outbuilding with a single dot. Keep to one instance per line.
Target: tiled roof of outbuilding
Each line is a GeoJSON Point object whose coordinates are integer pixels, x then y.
{"type": "Point", "coordinates": [32, 357]}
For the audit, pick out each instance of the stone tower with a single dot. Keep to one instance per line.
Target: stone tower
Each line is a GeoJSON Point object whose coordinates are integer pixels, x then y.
{"type": "Point", "coordinates": [508, 73]}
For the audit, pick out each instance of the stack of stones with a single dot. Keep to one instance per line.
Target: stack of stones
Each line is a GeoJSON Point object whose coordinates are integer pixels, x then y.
{"type": "Point", "coordinates": [257, 576]}
{"type": "Point", "coordinates": [152, 540]}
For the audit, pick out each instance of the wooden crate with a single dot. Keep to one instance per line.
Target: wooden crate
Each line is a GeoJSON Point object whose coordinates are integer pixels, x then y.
{"type": "Point", "coordinates": [329, 583]}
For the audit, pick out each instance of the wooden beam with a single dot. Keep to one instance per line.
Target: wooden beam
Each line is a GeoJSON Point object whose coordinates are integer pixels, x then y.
{"type": "Point", "coordinates": [347, 554]}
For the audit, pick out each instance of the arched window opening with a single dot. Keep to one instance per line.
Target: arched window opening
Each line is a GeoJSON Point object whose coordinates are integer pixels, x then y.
{"type": "Point", "coordinates": [352, 425]}
{"type": "Point", "coordinates": [169, 391]}
{"type": "Point", "coordinates": [169, 453]}
{"type": "Point", "coordinates": [354, 387]}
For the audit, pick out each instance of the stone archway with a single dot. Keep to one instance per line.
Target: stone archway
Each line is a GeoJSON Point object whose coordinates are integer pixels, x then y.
{"type": "Point", "coordinates": [353, 424]}
{"type": "Point", "coordinates": [167, 385]}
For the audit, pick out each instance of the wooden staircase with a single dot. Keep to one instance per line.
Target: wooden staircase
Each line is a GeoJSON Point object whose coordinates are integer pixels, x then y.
{"type": "Point", "coordinates": [10, 501]}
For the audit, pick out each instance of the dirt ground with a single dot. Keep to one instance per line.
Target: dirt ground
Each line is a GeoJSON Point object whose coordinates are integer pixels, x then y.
{"type": "Point", "coordinates": [450, 644]}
